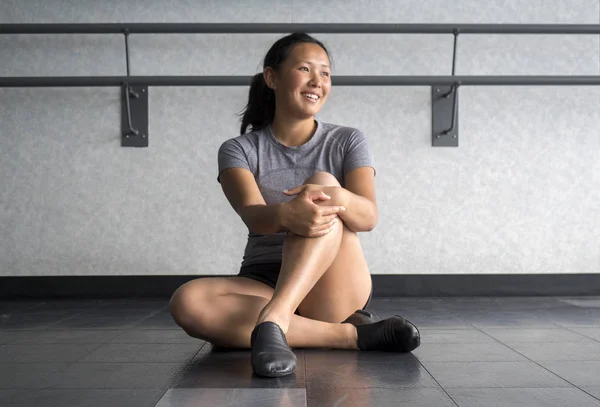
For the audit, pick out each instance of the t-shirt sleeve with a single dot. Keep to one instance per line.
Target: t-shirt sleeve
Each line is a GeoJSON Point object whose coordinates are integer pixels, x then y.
{"type": "Point", "coordinates": [357, 153]}
{"type": "Point", "coordinates": [231, 155]}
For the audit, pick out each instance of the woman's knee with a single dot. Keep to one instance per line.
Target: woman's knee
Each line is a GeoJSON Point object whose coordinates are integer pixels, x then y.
{"type": "Point", "coordinates": [323, 178]}
{"type": "Point", "coordinates": [188, 305]}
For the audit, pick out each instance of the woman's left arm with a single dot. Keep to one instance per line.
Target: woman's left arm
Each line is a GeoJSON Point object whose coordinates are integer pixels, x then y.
{"type": "Point", "coordinates": [358, 197]}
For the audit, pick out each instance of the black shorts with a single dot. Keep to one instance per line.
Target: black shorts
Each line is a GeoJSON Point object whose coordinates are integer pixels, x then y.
{"type": "Point", "coordinates": [267, 273]}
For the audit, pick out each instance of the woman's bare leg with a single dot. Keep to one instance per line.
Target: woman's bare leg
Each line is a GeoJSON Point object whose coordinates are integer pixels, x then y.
{"type": "Point", "coordinates": [306, 260]}
{"type": "Point", "coordinates": [326, 278]}
{"type": "Point", "coordinates": [224, 310]}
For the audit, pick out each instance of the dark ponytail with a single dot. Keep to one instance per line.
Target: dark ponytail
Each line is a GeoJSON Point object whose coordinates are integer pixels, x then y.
{"type": "Point", "coordinates": [260, 110]}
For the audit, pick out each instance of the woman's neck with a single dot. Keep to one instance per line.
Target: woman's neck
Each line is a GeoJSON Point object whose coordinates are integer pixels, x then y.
{"type": "Point", "coordinates": [293, 133]}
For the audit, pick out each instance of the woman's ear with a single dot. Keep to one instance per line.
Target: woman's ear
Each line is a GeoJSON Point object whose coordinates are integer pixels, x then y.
{"type": "Point", "coordinates": [269, 75]}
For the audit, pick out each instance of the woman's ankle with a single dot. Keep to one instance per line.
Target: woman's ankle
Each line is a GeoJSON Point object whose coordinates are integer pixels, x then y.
{"type": "Point", "coordinates": [275, 314]}
{"type": "Point", "coordinates": [351, 335]}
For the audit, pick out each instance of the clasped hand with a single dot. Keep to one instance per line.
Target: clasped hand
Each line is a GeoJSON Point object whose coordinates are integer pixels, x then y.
{"type": "Point", "coordinates": [304, 217]}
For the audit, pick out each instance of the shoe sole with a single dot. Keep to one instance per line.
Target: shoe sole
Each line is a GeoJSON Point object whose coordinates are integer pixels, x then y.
{"type": "Point", "coordinates": [274, 374]}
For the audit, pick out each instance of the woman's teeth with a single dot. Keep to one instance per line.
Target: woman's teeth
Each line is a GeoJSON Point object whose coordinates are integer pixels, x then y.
{"type": "Point", "coordinates": [310, 96]}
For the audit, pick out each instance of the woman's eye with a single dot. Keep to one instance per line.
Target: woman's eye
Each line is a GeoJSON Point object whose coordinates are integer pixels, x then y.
{"type": "Point", "coordinates": [304, 68]}
{"type": "Point", "coordinates": [326, 73]}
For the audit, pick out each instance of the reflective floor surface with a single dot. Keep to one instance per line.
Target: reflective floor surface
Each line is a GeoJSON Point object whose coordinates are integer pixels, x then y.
{"type": "Point", "coordinates": [533, 351]}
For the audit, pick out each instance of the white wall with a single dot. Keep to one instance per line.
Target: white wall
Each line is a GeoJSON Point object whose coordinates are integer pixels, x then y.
{"type": "Point", "coordinates": [520, 194]}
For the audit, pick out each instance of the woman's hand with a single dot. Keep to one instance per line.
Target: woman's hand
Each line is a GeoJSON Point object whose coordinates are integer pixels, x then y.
{"type": "Point", "coordinates": [303, 217]}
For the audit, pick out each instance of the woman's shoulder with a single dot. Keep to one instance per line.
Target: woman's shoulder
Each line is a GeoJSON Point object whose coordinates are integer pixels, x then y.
{"type": "Point", "coordinates": [247, 139]}
{"type": "Point", "coordinates": [341, 131]}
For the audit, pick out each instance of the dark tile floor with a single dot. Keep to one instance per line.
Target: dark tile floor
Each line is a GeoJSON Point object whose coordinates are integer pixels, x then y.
{"type": "Point", "coordinates": [474, 352]}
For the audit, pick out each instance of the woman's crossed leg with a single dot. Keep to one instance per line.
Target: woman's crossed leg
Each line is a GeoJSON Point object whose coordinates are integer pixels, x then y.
{"type": "Point", "coordinates": [326, 279]}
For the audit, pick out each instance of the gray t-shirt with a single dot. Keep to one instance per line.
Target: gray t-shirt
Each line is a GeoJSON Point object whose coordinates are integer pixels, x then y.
{"type": "Point", "coordinates": [333, 148]}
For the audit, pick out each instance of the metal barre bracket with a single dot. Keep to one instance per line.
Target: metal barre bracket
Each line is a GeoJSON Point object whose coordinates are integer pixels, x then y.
{"type": "Point", "coordinates": [134, 107]}
{"type": "Point", "coordinates": [444, 108]}
{"type": "Point", "coordinates": [444, 102]}
{"type": "Point", "coordinates": [134, 115]}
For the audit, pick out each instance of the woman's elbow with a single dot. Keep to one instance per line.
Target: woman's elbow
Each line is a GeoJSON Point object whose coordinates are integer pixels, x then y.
{"type": "Point", "coordinates": [371, 226]}
{"type": "Point", "coordinates": [374, 217]}
{"type": "Point", "coordinates": [373, 222]}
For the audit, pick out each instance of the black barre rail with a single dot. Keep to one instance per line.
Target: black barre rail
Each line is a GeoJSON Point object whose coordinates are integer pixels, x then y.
{"type": "Point", "coordinates": [259, 28]}
{"type": "Point", "coordinates": [94, 81]}
{"type": "Point", "coordinates": [444, 109]}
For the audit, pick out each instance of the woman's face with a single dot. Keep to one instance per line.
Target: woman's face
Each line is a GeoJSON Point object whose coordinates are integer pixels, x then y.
{"type": "Point", "coordinates": [302, 82]}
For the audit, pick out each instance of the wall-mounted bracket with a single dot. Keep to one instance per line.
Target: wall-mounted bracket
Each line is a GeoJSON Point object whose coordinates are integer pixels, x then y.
{"type": "Point", "coordinates": [134, 116]}
{"type": "Point", "coordinates": [444, 103]}
{"type": "Point", "coordinates": [134, 109]}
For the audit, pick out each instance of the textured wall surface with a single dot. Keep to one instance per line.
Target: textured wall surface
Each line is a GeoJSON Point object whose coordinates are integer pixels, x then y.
{"type": "Point", "coordinates": [520, 194]}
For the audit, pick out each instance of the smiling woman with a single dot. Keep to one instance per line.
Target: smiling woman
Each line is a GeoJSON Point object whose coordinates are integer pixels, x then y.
{"type": "Point", "coordinates": [304, 189]}
{"type": "Point", "coordinates": [301, 86]}
{"type": "Point", "coordinates": [296, 70]}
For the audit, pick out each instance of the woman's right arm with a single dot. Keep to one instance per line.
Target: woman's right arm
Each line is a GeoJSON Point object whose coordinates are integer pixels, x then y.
{"type": "Point", "coordinates": [239, 186]}
{"type": "Point", "coordinates": [263, 219]}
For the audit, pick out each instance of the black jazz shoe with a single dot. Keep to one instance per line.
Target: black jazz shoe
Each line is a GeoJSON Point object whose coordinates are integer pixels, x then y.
{"type": "Point", "coordinates": [271, 355]}
{"type": "Point", "coordinates": [394, 334]}
{"type": "Point", "coordinates": [360, 317]}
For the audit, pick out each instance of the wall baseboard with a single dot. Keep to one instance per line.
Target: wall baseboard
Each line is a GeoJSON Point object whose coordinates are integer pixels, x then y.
{"type": "Point", "coordinates": [448, 285]}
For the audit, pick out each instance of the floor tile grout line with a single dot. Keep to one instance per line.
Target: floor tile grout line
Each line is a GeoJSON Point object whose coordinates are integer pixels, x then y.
{"type": "Point", "coordinates": [514, 350]}
{"type": "Point", "coordinates": [449, 312]}
{"type": "Point", "coordinates": [465, 321]}
{"type": "Point", "coordinates": [579, 326]}
{"type": "Point", "coordinates": [134, 324]}
{"type": "Point", "coordinates": [86, 388]}
{"type": "Point", "coordinates": [583, 335]}
{"type": "Point", "coordinates": [485, 333]}
{"type": "Point", "coordinates": [161, 396]}
{"type": "Point", "coordinates": [89, 353]}
{"type": "Point", "coordinates": [508, 328]}
{"type": "Point", "coordinates": [29, 344]}
{"type": "Point", "coordinates": [47, 327]}
{"type": "Point", "coordinates": [530, 342]}
{"type": "Point", "coordinates": [480, 329]}
{"type": "Point", "coordinates": [185, 362]}
{"type": "Point", "coordinates": [189, 361]}
{"type": "Point", "coordinates": [543, 367]}
{"type": "Point", "coordinates": [34, 306]}
{"type": "Point", "coordinates": [590, 394]}
{"type": "Point", "coordinates": [500, 327]}
{"type": "Point", "coordinates": [435, 380]}
{"type": "Point", "coordinates": [521, 388]}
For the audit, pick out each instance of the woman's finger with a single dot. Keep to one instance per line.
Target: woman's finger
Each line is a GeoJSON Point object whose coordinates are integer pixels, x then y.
{"type": "Point", "coordinates": [318, 196]}
{"type": "Point", "coordinates": [326, 226]}
{"type": "Point", "coordinates": [331, 210]}
{"type": "Point", "coordinates": [328, 219]}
